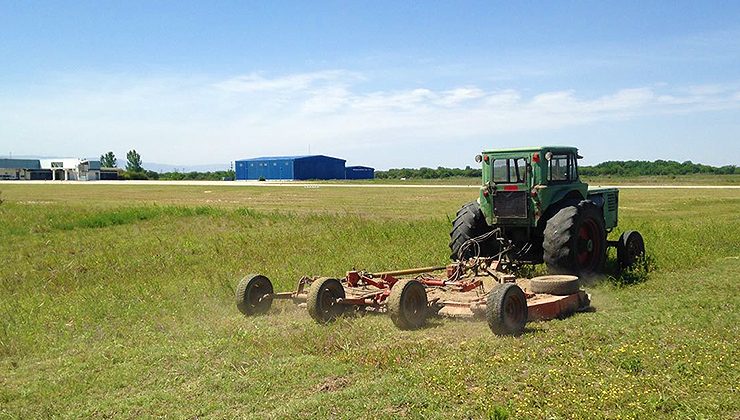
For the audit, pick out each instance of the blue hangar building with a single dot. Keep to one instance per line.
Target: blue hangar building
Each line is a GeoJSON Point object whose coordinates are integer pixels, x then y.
{"type": "Point", "coordinates": [290, 168]}
{"type": "Point", "coordinates": [359, 172]}
{"type": "Point", "coordinates": [299, 168]}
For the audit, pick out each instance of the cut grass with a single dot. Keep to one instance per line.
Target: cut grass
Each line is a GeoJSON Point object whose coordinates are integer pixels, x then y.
{"type": "Point", "coordinates": [126, 309]}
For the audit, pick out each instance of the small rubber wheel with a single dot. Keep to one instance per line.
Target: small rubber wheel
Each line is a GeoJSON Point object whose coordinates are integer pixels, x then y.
{"type": "Point", "coordinates": [254, 294]}
{"type": "Point", "coordinates": [322, 300]}
{"type": "Point", "coordinates": [630, 248]}
{"type": "Point", "coordinates": [408, 306]}
{"type": "Point", "coordinates": [506, 309]}
{"type": "Point", "coordinates": [555, 285]}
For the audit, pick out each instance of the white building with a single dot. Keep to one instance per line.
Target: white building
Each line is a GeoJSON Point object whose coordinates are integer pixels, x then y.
{"type": "Point", "coordinates": [72, 169]}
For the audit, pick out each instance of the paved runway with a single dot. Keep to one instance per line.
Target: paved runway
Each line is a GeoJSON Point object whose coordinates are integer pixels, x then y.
{"type": "Point", "coordinates": [300, 184]}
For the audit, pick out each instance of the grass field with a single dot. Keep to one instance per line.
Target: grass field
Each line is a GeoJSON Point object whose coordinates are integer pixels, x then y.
{"type": "Point", "coordinates": [117, 301]}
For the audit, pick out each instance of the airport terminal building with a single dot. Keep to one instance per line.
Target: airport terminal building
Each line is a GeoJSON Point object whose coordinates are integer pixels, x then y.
{"type": "Point", "coordinates": [57, 169]}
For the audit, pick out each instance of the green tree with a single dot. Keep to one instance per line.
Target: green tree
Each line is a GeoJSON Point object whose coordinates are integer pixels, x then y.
{"type": "Point", "coordinates": [133, 163]}
{"type": "Point", "coordinates": [108, 160]}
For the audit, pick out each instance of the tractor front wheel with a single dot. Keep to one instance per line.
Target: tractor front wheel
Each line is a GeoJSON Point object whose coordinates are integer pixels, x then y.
{"type": "Point", "coordinates": [468, 224]}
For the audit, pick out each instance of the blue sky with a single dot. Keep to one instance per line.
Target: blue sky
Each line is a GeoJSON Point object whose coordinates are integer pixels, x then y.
{"type": "Point", "coordinates": [387, 84]}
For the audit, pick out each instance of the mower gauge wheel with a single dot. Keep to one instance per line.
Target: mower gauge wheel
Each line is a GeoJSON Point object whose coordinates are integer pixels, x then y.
{"type": "Point", "coordinates": [254, 294]}
{"type": "Point", "coordinates": [322, 300]}
{"type": "Point", "coordinates": [506, 309]}
{"type": "Point", "coordinates": [408, 306]}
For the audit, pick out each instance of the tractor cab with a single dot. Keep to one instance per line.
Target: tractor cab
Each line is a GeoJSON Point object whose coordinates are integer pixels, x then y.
{"type": "Point", "coordinates": [506, 181]}
{"type": "Point", "coordinates": [517, 182]}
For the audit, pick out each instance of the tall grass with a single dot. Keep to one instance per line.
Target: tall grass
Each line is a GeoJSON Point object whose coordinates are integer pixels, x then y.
{"type": "Point", "coordinates": [127, 310]}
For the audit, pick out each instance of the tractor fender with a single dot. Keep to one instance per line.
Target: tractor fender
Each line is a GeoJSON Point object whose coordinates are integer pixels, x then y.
{"type": "Point", "coordinates": [556, 201]}
{"type": "Point", "coordinates": [572, 194]}
{"type": "Point", "coordinates": [562, 199]}
{"type": "Point", "coordinates": [567, 198]}
{"type": "Point", "coordinates": [597, 199]}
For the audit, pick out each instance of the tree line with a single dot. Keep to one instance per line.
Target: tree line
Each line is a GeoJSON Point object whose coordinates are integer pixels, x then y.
{"type": "Point", "coordinates": [611, 168]}
{"type": "Point", "coordinates": [135, 170]}
{"type": "Point", "coordinates": [658, 167]}
{"type": "Point", "coordinates": [428, 173]}
{"type": "Point", "coordinates": [198, 176]}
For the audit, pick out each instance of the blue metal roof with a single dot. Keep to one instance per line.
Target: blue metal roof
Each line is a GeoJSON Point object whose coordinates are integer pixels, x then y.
{"type": "Point", "coordinates": [264, 158]}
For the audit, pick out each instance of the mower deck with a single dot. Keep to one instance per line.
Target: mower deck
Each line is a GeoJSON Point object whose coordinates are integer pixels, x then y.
{"type": "Point", "coordinates": [540, 306]}
{"type": "Point", "coordinates": [473, 289]}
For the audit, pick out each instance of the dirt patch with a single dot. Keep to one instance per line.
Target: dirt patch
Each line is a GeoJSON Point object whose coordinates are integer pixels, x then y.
{"type": "Point", "coordinates": [333, 383]}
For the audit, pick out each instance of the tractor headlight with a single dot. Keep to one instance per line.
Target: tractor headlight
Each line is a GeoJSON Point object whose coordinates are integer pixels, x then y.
{"type": "Point", "coordinates": [478, 158]}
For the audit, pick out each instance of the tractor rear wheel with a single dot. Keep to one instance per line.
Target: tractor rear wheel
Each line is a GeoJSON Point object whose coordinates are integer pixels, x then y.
{"type": "Point", "coordinates": [630, 248]}
{"type": "Point", "coordinates": [575, 240]}
{"type": "Point", "coordinates": [254, 294]}
{"type": "Point", "coordinates": [468, 224]}
{"type": "Point", "coordinates": [408, 304]}
{"type": "Point", "coordinates": [506, 309]}
{"type": "Point", "coordinates": [322, 300]}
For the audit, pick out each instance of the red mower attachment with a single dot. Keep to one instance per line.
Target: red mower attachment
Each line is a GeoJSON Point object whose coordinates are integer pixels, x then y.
{"type": "Point", "coordinates": [465, 289]}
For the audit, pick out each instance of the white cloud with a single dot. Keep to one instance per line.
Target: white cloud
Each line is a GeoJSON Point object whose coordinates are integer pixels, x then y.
{"type": "Point", "coordinates": [188, 121]}
{"type": "Point", "coordinates": [704, 90]}
{"type": "Point", "coordinates": [254, 82]}
{"type": "Point", "coordinates": [403, 100]}
{"type": "Point", "coordinates": [503, 99]}
{"type": "Point", "coordinates": [326, 100]}
{"type": "Point", "coordinates": [625, 99]}
{"type": "Point", "coordinates": [459, 95]}
{"type": "Point", "coordinates": [550, 103]}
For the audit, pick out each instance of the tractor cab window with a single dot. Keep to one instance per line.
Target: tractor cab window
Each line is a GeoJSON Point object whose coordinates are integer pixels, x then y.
{"type": "Point", "coordinates": [562, 168]}
{"type": "Point", "coordinates": [509, 171]}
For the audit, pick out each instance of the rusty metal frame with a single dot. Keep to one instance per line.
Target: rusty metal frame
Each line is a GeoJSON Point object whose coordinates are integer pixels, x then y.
{"type": "Point", "coordinates": [370, 291]}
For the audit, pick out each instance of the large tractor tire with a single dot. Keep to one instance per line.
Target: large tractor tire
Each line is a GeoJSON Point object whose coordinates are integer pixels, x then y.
{"type": "Point", "coordinates": [470, 223]}
{"type": "Point", "coordinates": [575, 240]}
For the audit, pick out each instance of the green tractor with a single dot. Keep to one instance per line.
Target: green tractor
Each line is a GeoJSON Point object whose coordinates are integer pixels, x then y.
{"type": "Point", "coordinates": [534, 208]}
